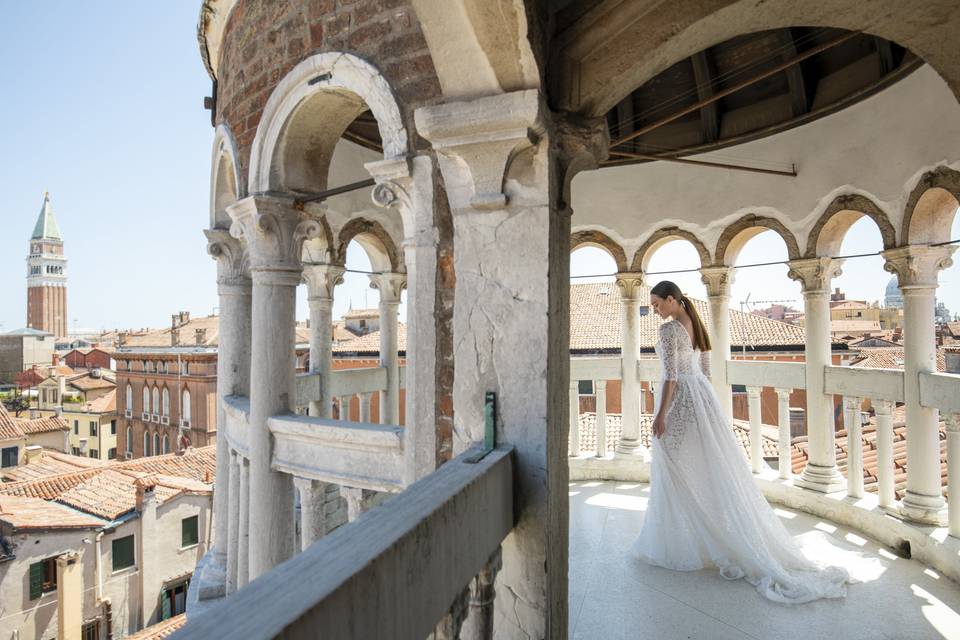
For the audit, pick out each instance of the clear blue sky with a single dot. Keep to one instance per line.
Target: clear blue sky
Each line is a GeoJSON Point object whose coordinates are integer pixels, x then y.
{"type": "Point", "coordinates": [103, 106]}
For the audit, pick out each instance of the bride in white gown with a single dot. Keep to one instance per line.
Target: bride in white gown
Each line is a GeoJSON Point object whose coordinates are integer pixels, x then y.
{"type": "Point", "coordinates": [705, 509]}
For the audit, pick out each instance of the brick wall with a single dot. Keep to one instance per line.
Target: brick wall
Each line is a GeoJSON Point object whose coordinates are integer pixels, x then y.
{"type": "Point", "coordinates": [265, 39]}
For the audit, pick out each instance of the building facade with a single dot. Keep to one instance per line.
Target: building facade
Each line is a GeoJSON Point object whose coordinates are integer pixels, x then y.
{"type": "Point", "coordinates": [23, 349]}
{"type": "Point", "coordinates": [93, 426]}
{"type": "Point", "coordinates": [47, 275]}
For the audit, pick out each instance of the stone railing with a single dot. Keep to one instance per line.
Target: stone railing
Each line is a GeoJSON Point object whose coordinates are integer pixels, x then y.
{"type": "Point", "coordinates": [373, 577]}
{"type": "Point", "coordinates": [345, 384]}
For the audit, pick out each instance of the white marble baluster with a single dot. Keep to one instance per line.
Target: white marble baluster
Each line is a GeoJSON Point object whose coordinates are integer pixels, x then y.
{"type": "Point", "coordinates": [365, 399]}
{"type": "Point", "coordinates": [756, 435]}
{"type": "Point", "coordinates": [243, 535]}
{"type": "Point", "coordinates": [600, 387]}
{"type": "Point", "coordinates": [885, 484]}
{"type": "Point", "coordinates": [233, 515]}
{"type": "Point", "coordinates": [784, 447]}
{"type": "Point", "coordinates": [953, 473]}
{"type": "Point", "coordinates": [574, 418]}
{"type": "Point", "coordinates": [851, 422]}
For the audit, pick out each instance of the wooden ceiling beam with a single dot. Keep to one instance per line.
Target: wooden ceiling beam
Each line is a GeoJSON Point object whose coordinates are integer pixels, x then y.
{"type": "Point", "coordinates": [799, 98]}
{"type": "Point", "coordinates": [710, 111]}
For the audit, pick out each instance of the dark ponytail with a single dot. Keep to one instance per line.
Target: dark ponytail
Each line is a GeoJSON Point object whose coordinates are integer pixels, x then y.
{"type": "Point", "coordinates": [666, 289]}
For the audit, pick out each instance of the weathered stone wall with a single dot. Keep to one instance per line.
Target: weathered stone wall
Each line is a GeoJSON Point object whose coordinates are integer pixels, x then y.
{"type": "Point", "coordinates": [264, 40]}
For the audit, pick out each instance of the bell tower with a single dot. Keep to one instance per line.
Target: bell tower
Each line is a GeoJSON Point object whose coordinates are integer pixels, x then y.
{"type": "Point", "coordinates": [47, 275]}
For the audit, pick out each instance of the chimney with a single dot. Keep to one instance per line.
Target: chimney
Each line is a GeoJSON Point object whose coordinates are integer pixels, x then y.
{"type": "Point", "coordinates": [56, 359]}
{"type": "Point", "coordinates": [175, 337]}
{"type": "Point", "coordinates": [34, 453]}
{"type": "Point", "coordinates": [144, 488]}
{"type": "Point", "coordinates": [201, 336]}
{"type": "Point", "coordinates": [798, 422]}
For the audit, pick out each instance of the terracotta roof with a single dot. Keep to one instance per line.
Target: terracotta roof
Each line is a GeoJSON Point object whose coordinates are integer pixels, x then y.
{"type": "Point", "coordinates": [49, 463]}
{"type": "Point", "coordinates": [87, 382]}
{"type": "Point", "coordinates": [839, 326]}
{"type": "Point", "coordinates": [198, 464]}
{"type": "Point", "coordinates": [12, 428]}
{"type": "Point", "coordinates": [161, 630]}
{"type": "Point", "coordinates": [8, 427]}
{"type": "Point", "coordinates": [107, 403]}
{"type": "Point", "coordinates": [33, 513]}
{"type": "Point", "coordinates": [187, 334]}
{"type": "Point", "coordinates": [362, 313]}
{"type": "Point", "coordinates": [50, 487]}
{"type": "Point", "coordinates": [369, 344]}
{"type": "Point", "coordinates": [888, 358]}
{"type": "Point", "coordinates": [112, 492]}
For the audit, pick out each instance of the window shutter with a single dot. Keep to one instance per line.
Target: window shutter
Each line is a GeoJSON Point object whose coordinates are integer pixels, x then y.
{"type": "Point", "coordinates": [165, 605]}
{"type": "Point", "coordinates": [36, 580]}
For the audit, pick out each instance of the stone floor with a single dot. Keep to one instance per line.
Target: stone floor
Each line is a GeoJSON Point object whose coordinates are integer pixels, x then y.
{"type": "Point", "coordinates": [615, 596]}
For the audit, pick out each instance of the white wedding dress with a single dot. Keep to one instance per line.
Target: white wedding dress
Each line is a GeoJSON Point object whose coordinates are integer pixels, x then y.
{"type": "Point", "coordinates": [705, 509]}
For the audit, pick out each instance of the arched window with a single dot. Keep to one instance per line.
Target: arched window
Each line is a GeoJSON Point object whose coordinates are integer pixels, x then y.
{"type": "Point", "coordinates": [166, 402]}
{"type": "Point", "coordinates": [130, 440]}
{"type": "Point", "coordinates": [146, 399]}
{"type": "Point", "coordinates": [166, 444]}
{"type": "Point", "coordinates": [185, 407]}
{"type": "Point", "coordinates": [128, 406]}
{"type": "Point", "coordinates": [146, 443]}
{"type": "Point", "coordinates": [156, 400]}
{"type": "Point", "coordinates": [156, 444]}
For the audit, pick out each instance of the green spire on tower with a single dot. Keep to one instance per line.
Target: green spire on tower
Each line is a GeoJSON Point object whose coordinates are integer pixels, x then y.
{"type": "Point", "coordinates": [46, 227]}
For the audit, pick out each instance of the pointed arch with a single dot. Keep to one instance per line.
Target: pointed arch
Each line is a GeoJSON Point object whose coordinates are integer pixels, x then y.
{"type": "Point", "coordinates": [735, 236]}
{"type": "Point", "coordinates": [931, 206]}
{"type": "Point", "coordinates": [843, 211]}
{"type": "Point", "coordinates": [593, 238]}
{"type": "Point", "coordinates": [226, 181]}
{"type": "Point", "coordinates": [662, 236]}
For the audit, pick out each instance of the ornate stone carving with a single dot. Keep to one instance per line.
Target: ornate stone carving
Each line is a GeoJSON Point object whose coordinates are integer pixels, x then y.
{"type": "Point", "coordinates": [815, 274]}
{"type": "Point", "coordinates": [390, 285]}
{"type": "Point", "coordinates": [233, 265]}
{"type": "Point", "coordinates": [918, 266]}
{"type": "Point", "coordinates": [581, 144]}
{"type": "Point", "coordinates": [630, 283]}
{"type": "Point", "coordinates": [321, 280]}
{"type": "Point", "coordinates": [274, 232]}
{"type": "Point", "coordinates": [717, 280]}
{"type": "Point", "coordinates": [476, 140]}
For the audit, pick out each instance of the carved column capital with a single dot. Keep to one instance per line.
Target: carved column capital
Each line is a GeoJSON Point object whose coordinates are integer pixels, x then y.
{"type": "Point", "coordinates": [581, 145]}
{"type": "Point", "coordinates": [321, 280]}
{"type": "Point", "coordinates": [476, 140]}
{"type": "Point", "coordinates": [630, 284]}
{"type": "Point", "coordinates": [917, 266]}
{"type": "Point", "coordinates": [274, 231]}
{"type": "Point", "coordinates": [233, 265]}
{"type": "Point", "coordinates": [390, 285]}
{"type": "Point", "coordinates": [717, 280]}
{"type": "Point", "coordinates": [814, 274]}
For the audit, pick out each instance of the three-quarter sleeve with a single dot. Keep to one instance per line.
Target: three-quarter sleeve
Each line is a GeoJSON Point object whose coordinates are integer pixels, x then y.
{"type": "Point", "coordinates": [705, 363]}
{"type": "Point", "coordinates": [668, 347]}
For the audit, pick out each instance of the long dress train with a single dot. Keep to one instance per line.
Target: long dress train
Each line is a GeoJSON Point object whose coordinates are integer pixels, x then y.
{"type": "Point", "coordinates": [705, 509]}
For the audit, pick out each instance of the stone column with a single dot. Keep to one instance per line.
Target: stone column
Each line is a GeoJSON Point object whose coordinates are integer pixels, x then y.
{"type": "Point", "coordinates": [815, 275]}
{"type": "Point", "coordinates": [630, 285]}
{"type": "Point", "coordinates": [274, 232]}
{"type": "Point", "coordinates": [243, 535]}
{"type": "Point", "coordinates": [917, 268]}
{"type": "Point", "coordinates": [312, 510]}
{"type": "Point", "coordinates": [718, 281]}
{"type": "Point", "coordinates": [783, 420]}
{"type": "Point", "coordinates": [574, 417]}
{"type": "Point", "coordinates": [756, 433]}
{"type": "Point", "coordinates": [390, 285]}
{"type": "Point", "coordinates": [321, 280]}
{"type": "Point", "coordinates": [365, 399]}
{"type": "Point", "coordinates": [507, 165]}
{"type": "Point", "coordinates": [601, 394]}
{"type": "Point", "coordinates": [885, 485]}
{"type": "Point", "coordinates": [233, 372]}
{"type": "Point", "coordinates": [479, 622]}
{"type": "Point", "coordinates": [851, 423]}
{"type": "Point", "coordinates": [234, 519]}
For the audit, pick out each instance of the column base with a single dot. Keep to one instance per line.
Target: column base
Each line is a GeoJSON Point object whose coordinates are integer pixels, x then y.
{"type": "Point", "coordinates": [630, 448]}
{"type": "Point", "coordinates": [923, 509]}
{"type": "Point", "coordinates": [822, 479]}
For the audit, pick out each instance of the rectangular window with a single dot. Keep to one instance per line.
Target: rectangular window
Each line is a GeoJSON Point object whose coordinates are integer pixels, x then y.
{"type": "Point", "coordinates": [173, 600]}
{"type": "Point", "coordinates": [189, 532]}
{"type": "Point", "coordinates": [739, 388]}
{"type": "Point", "coordinates": [122, 552]}
{"type": "Point", "coordinates": [76, 427]}
{"type": "Point", "coordinates": [43, 577]}
{"type": "Point", "coordinates": [91, 631]}
{"type": "Point", "coordinates": [94, 453]}
{"type": "Point", "coordinates": [112, 454]}
{"type": "Point", "coordinates": [113, 427]}
{"type": "Point", "coordinates": [93, 428]}
{"type": "Point", "coordinates": [11, 456]}
{"type": "Point", "coordinates": [585, 387]}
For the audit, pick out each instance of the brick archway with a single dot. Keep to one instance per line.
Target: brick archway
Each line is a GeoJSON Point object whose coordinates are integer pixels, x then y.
{"type": "Point", "coordinates": [732, 239]}
{"type": "Point", "coordinates": [839, 216]}
{"type": "Point", "coordinates": [662, 236]}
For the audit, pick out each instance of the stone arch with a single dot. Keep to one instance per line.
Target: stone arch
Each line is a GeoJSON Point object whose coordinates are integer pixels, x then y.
{"type": "Point", "coordinates": [662, 236]}
{"type": "Point", "coordinates": [735, 236]}
{"type": "Point", "coordinates": [307, 113]}
{"type": "Point", "coordinates": [832, 226]}
{"type": "Point", "coordinates": [592, 238]}
{"type": "Point", "coordinates": [602, 57]}
{"type": "Point", "coordinates": [226, 181]}
{"type": "Point", "coordinates": [379, 246]}
{"type": "Point", "coordinates": [322, 249]}
{"type": "Point", "coordinates": [931, 207]}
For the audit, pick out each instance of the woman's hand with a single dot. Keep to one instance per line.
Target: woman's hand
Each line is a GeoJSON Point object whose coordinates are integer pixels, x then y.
{"type": "Point", "coordinates": [659, 425]}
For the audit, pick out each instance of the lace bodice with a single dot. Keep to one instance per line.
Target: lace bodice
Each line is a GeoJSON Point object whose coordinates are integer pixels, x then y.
{"type": "Point", "coordinates": [677, 353]}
